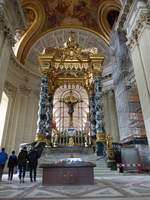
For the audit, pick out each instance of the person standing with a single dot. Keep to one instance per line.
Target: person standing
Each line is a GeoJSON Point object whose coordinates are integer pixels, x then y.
{"type": "Point", "coordinates": [3, 159]}
{"type": "Point", "coordinates": [22, 162]}
{"type": "Point", "coordinates": [12, 162]}
{"type": "Point", "coordinates": [33, 161]}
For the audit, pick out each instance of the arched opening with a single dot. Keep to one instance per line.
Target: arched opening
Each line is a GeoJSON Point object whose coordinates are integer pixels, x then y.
{"type": "Point", "coordinates": [3, 111]}
{"type": "Point", "coordinates": [112, 17]}
{"type": "Point", "coordinates": [60, 109]}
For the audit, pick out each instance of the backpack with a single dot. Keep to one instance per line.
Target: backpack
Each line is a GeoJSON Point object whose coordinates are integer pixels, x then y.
{"type": "Point", "coordinates": [3, 158]}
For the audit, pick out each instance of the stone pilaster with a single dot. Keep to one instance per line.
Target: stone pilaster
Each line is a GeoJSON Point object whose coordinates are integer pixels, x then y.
{"type": "Point", "coordinates": [4, 61]}
{"type": "Point", "coordinates": [122, 64]}
{"type": "Point", "coordinates": [6, 42]}
{"type": "Point", "coordinates": [106, 112]}
{"type": "Point", "coordinates": [15, 132]}
{"type": "Point", "coordinates": [31, 118]}
{"type": "Point", "coordinates": [10, 91]}
{"type": "Point", "coordinates": [139, 44]}
{"type": "Point", "coordinates": [20, 126]}
{"type": "Point", "coordinates": [113, 121]}
{"type": "Point", "coordinates": [11, 18]}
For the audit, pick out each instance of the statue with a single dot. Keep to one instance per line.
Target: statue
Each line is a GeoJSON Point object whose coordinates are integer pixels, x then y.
{"type": "Point", "coordinates": [86, 139]}
{"type": "Point", "coordinates": [71, 101]}
{"type": "Point", "coordinates": [109, 141]}
{"type": "Point", "coordinates": [71, 141]}
{"type": "Point", "coordinates": [56, 139]}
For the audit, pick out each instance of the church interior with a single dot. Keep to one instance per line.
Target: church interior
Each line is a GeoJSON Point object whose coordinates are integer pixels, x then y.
{"type": "Point", "coordinates": [75, 88]}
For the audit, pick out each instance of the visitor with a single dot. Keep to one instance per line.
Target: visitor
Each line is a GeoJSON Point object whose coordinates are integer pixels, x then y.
{"type": "Point", "coordinates": [22, 162]}
{"type": "Point", "coordinates": [3, 159]}
{"type": "Point", "coordinates": [12, 163]}
{"type": "Point", "coordinates": [33, 161]}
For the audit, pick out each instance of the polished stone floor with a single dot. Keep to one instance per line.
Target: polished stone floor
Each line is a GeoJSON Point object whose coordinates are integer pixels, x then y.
{"type": "Point", "coordinates": [121, 187]}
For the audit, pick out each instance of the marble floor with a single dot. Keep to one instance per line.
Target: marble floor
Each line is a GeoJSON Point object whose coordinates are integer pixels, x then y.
{"type": "Point", "coordinates": [121, 187]}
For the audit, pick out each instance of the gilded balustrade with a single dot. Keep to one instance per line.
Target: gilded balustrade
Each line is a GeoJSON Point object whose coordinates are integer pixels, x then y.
{"type": "Point", "coordinates": [63, 139]}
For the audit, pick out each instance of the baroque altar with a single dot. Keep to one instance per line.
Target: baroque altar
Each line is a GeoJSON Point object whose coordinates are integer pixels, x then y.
{"type": "Point", "coordinates": [70, 65]}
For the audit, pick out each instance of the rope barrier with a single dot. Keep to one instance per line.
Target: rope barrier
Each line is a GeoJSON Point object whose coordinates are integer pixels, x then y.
{"type": "Point", "coordinates": [138, 165]}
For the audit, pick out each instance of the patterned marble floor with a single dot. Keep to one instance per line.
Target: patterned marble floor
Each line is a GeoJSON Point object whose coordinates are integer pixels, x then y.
{"type": "Point", "coordinates": [124, 187]}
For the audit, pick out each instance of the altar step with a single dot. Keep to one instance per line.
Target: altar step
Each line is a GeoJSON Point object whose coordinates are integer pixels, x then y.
{"type": "Point", "coordinates": [101, 169]}
{"type": "Point", "coordinates": [87, 154]}
{"type": "Point", "coordinates": [98, 172]}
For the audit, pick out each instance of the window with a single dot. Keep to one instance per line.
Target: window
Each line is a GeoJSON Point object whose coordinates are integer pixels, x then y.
{"type": "Point", "coordinates": [3, 111]}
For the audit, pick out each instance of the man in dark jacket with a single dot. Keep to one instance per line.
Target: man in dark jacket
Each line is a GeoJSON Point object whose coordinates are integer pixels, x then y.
{"type": "Point", "coordinates": [12, 162]}
{"type": "Point", "coordinates": [22, 162]}
{"type": "Point", "coordinates": [33, 161]}
{"type": "Point", "coordinates": [3, 159]}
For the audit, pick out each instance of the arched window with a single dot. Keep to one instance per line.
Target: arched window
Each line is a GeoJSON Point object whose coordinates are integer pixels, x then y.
{"type": "Point", "coordinates": [60, 109]}
{"type": "Point", "coordinates": [3, 111]}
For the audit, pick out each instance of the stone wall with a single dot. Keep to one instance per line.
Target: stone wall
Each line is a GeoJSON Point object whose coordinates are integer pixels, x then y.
{"type": "Point", "coordinates": [137, 25]}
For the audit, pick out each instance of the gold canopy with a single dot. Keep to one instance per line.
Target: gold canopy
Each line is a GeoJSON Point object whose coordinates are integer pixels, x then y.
{"type": "Point", "coordinates": [70, 65]}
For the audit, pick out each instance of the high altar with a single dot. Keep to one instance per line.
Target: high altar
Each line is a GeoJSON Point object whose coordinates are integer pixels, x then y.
{"type": "Point", "coordinates": [70, 65]}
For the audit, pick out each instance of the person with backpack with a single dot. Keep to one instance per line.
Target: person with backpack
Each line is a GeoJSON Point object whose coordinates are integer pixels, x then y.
{"type": "Point", "coordinates": [12, 162]}
{"type": "Point", "coordinates": [33, 161]}
{"type": "Point", "coordinates": [22, 162]}
{"type": "Point", "coordinates": [3, 159]}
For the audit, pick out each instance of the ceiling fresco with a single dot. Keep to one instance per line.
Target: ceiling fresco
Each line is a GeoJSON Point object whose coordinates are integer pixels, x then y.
{"type": "Point", "coordinates": [43, 16]}
{"type": "Point", "coordinates": [72, 12]}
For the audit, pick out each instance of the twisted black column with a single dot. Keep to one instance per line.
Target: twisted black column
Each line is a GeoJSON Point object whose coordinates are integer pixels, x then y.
{"type": "Point", "coordinates": [92, 114]}
{"type": "Point", "coordinates": [44, 122]}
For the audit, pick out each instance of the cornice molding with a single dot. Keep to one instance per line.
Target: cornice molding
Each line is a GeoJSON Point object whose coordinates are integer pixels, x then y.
{"type": "Point", "coordinates": [126, 10]}
{"type": "Point", "coordinates": [5, 26]}
{"type": "Point", "coordinates": [9, 88]}
{"type": "Point", "coordinates": [22, 89]}
{"type": "Point", "coordinates": [142, 22]}
{"type": "Point", "coordinates": [123, 14]}
{"type": "Point", "coordinates": [20, 67]}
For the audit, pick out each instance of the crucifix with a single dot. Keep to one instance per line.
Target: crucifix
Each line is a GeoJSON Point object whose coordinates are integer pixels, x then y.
{"type": "Point", "coordinates": [68, 176]}
{"type": "Point", "coordinates": [71, 101]}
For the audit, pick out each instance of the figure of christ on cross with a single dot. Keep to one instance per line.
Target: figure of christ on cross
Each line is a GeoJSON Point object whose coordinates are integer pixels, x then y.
{"type": "Point", "coordinates": [71, 101]}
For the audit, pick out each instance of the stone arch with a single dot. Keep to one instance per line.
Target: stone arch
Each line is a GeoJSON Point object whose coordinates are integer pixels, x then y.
{"type": "Point", "coordinates": [58, 37]}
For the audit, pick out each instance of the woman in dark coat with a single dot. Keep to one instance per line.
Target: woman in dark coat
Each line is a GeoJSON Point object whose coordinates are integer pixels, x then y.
{"type": "Point", "coordinates": [12, 162]}
{"type": "Point", "coordinates": [33, 161]}
{"type": "Point", "coordinates": [22, 162]}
